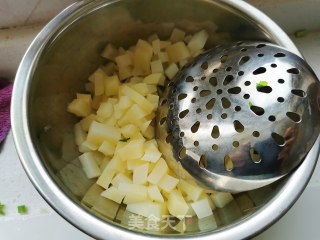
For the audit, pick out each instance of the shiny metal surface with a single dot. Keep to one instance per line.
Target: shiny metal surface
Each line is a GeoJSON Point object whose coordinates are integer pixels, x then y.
{"type": "Point", "coordinates": [56, 66]}
{"type": "Point", "coordinates": [240, 116]}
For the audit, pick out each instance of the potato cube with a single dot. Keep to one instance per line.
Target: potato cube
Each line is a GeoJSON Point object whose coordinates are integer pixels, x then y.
{"type": "Point", "coordinates": [171, 70]}
{"type": "Point", "coordinates": [221, 199]}
{"type": "Point", "coordinates": [124, 60]}
{"type": "Point", "coordinates": [177, 52]}
{"type": "Point", "coordinates": [149, 133]}
{"type": "Point", "coordinates": [198, 41]}
{"type": "Point", "coordinates": [92, 194]}
{"type": "Point", "coordinates": [120, 178]}
{"type": "Point", "coordinates": [125, 72]}
{"type": "Point", "coordinates": [99, 132]}
{"type": "Point", "coordinates": [151, 152]}
{"type": "Point", "coordinates": [156, 46]}
{"type": "Point", "coordinates": [89, 165]}
{"type": "Point", "coordinates": [99, 75]}
{"type": "Point", "coordinates": [154, 194]}
{"type": "Point", "coordinates": [164, 44]}
{"type": "Point", "coordinates": [202, 208]}
{"type": "Point", "coordinates": [177, 206]}
{"type": "Point", "coordinates": [168, 183]}
{"type": "Point", "coordinates": [133, 163]}
{"type": "Point", "coordinates": [177, 35]}
{"type": "Point", "coordinates": [132, 150]}
{"type": "Point", "coordinates": [141, 88]}
{"type": "Point", "coordinates": [147, 209]}
{"type": "Point", "coordinates": [142, 56]}
{"type": "Point", "coordinates": [137, 98]}
{"type": "Point", "coordinates": [154, 99]}
{"type": "Point", "coordinates": [158, 171]}
{"type": "Point", "coordinates": [113, 194]}
{"type": "Point", "coordinates": [207, 223]}
{"type": "Point", "coordinates": [124, 102]}
{"type": "Point", "coordinates": [114, 166]}
{"type": "Point", "coordinates": [105, 110]}
{"type": "Point", "coordinates": [98, 84]}
{"type": "Point", "coordinates": [153, 37]}
{"type": "Point", "coordinates": [156, 66]}
{"type": "Point", "coordinates": [144, 125]}
{"type": "Point", "coordinates": [109, 68]}
{"type": "Point", "coordinates": [86, 122]}
{"type": "Point", "coordinates": [80, 107]}
{"type": "Point", "coordinates": [140, 174]}
{"type": "Point", "coordinates": [182, 63]}
{"type": "Point", "coordinates": [154, 78]}
{"type": "Point", "coordinates": [107, 148]}
{"type": "Point", "coordinates": [192, 191]}
{"type": "Point", "coordinates": [111, 85]}
{"type": "Point", "coordinates": [79, 134]}
{"type": "Point", "coordinates": [129, 131]}
{"type": "Point", "coordinates": [110, 52]}
{"type": "Point", "coordinates": [133, 192]}
{"type": "Point", "coordinates": [135, 80]}
{"type": "Point", "coordinates": [163, 56]}
{"type": "Point", "coordinates": [105, 162]}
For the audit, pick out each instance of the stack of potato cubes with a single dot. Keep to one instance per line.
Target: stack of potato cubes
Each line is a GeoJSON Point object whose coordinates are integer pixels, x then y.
{"type": "Point", "coordinates": [116, 134]}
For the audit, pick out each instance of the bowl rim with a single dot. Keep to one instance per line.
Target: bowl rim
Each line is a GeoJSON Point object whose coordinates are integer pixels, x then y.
{"type": "Point", "coordinates": [79, 216]}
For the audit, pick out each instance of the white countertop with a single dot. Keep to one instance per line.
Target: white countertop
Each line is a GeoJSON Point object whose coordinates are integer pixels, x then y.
{"type": "Point", "coordinates": [41, 222]}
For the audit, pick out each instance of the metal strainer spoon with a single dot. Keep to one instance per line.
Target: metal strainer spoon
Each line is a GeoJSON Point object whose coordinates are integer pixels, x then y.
{"type": "Point", "coordinates": [239, 117]}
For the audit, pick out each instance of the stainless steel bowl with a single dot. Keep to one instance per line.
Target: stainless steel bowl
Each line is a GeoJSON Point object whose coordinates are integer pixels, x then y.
{"type": "Point", "coordinates": [59, 61]}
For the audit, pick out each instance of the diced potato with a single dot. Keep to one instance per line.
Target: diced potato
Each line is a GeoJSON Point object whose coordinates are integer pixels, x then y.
{"type": "Point", "coordinates": [109, 172]}
{"type": "Point", "coordinates": [149, 133]}
{"type": "Point", "coordinates": [133, 116]}
{"type": "Point", "coordinates": [98, 133]}
{"type": "Point", "coordinates": [137, 98]}
{"type": "Point", "coordinates": [151, 153]}
{"type": "Point", "coordinates": [107, 148]}
{"type": "Point", "coordinates": [181, 226]}
{"type": "Point", "coordinates": [113, 194]}
{"type": "Point", "coordinates": [198, 41]}
{"type": "Point", "coordinates": [154, 78]}
{"type": "Point", "coordinates": [142, 56]}
{"type": "Point", "coordinates": [163, 56]}
{"type": "Point", "coordinates": [80, 107]}
{"type": "Point", "coordinates": [177, 52]}
{"type": "Point", "coordinates": [105, 162]}
{"type": "Point", "coordinates": [132, 150]}
{"type": "Point", "coordinates": [120, 178]}
{"type": "Point", "coordinates": [192, 191]}
{"type": "Point", "coordinates": [182, 63]}
{"type": "Point", "coordinates": [129, 131]}
{"type": "Point", "coordinates": [148, 209]}
{"type": "Point", "coordinates": [221, 199]}
{"type": "Point", "coordinates": [177, 35]}
{"type": "Point", "coordinates": [86, 122]}
{"type": "Point", "coordinates": [89, 165]}
{"type": "Point", "coordinates": [105, 110]}
{"type": "Point", "coordinates": [176, 204]}
{"type": "Point", "coordinates": [154, 99]}
{"type": "Point", "coordinates": [154, 194]}
{"type": "Point", "coordinates": [164, 44]}
{"type": "Point", "coordinates": [111, 85]}
{"type": "Point", "coordinates": [135, 80]}
{"type": "Point", "coordinates": [96, 100]}
{"type": "Point", "coordinates": [98, 84]}
{"type": "Point", "coordinates": [79, 134]}
{"type": "Point", "coordinates": [124, 102]}
{"type": "Point", "coordinates": [171, 70]}
{"type": "Point", "coordinates": [141, 88]}
{"type": "Point", "coordinates": [125, 72]}
{"type": "Point", "coordinates": [110, 52]}
{"type": "Point", "coordinates": [133, 192]}
{"type": "Point", "coordinates": [156, 66]}
{"type": "Point", "coordinates": [140, 174]}
{"type": "Point", "coordinates": [92, 194]}
{"type": "Point", "coordinates": [158, 171]}
{"type": "Point", "coordinates": [133, 163]}
{"type": "Point", "coordinates": [202, 208]}
{"type": "Point", "coordinates": [124, 60]}
{"type": "Point", "coordinates": [191, 212]}
{"type": "Point", "coordinates": [99, 75]}
{"type": "Point", "coordinates": [106, 207]}
{"type": "Point", "coordinates": [168, 183]}
{"type": "Point", "coordinates": [156, 46]}
{"type": "Point", "coordinates": [121, 51]}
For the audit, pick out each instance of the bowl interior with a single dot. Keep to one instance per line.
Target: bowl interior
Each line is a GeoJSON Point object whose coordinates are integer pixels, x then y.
{"type": "Point", "coordinates": [71, 54]}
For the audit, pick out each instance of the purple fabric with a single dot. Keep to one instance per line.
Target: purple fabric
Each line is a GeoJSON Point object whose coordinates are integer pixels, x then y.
{"type": "Point", "coordinates": [5, 97]}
